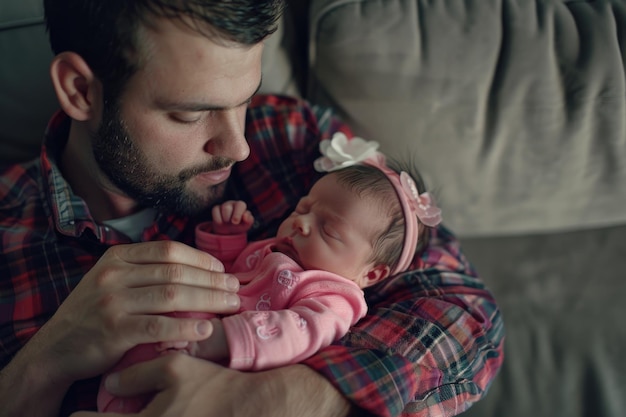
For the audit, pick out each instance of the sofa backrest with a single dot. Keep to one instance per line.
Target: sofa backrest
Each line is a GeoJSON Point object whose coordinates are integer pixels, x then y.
{"type": "Point", "coordinates": [514, 110]}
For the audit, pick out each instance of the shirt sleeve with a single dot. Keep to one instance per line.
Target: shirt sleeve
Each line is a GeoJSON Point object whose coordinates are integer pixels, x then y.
{"type": "Point", "coordinates": [226, 248]}
{"type": "Point", "coordinates": [432, 341]}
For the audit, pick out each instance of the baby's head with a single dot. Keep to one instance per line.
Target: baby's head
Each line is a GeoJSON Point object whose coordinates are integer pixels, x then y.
{"type": "Point", "coordinates": [373, 187]}
{"type": "Point", "coordinates": [354, 222]}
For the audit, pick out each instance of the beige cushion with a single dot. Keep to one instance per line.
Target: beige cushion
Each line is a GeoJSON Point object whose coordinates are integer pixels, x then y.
{"type": "Point", "coordinates": [514, 110]}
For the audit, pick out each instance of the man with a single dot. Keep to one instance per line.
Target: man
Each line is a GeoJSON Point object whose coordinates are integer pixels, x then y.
{"type": "Point", "coordinates": [155, 119]}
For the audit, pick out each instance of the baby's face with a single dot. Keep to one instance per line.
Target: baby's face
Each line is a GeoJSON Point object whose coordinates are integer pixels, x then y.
{"type": "Point", "coordinates": [332, 229]}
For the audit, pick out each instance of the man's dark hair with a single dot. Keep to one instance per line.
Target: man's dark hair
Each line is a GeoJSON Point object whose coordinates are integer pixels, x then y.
{"type": "Point", "coordinates": [104, 32]}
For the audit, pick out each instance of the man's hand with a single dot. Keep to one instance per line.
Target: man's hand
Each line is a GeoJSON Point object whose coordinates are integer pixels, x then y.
{"type": "Point", "coordinates": [231, 217]}
{"type": "Point", "coordinates": [215, 348]}
{"type": "Point", "coordinates": [115, 307]}
{"type": "Point", "coordinates": [192, 387]}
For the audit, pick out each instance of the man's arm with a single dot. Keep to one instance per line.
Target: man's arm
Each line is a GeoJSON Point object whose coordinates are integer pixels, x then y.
{"type": "Point", "coordinates": [30, 385]}
{"type": "Point", "coordinates": [301, 392]}
{"type": "Point", "coordinates": [113, 308]}
{"type": "Point", "coordinates": [193, 387]}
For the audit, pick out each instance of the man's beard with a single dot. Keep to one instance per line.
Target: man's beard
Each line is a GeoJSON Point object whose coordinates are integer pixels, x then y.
{"type": "Point", "coordinates": [127, 167]}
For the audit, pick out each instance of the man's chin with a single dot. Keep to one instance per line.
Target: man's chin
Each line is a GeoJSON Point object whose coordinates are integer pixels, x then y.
{"type": "Point", "coordinates": [204, 198]}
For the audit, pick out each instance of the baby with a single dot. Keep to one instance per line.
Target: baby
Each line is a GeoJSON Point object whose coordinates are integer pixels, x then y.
{"type": "Point", "coordinates": [302, 289]}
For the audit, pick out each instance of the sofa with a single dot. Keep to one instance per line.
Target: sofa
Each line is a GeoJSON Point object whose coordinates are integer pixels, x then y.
{"type": "Point", "coordinates": [515, 111]}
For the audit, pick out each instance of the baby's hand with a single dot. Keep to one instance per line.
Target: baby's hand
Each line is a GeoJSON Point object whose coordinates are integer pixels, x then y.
{"type": "Point", "coordinates": [231, 218]}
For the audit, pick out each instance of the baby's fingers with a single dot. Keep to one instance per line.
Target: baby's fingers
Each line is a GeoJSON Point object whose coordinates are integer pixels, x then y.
{"type": "Point", "coordinates": [247, 218]}
{"type": "Point", "coordinates": [229, 212]}
{"type": "Point", "coordinates": [239, 210]}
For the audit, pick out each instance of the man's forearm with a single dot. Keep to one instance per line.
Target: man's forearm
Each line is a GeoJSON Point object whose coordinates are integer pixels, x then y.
{"type": "Point", "coordinates": [27, 389]}
{"type": "Point", "coordinates": [297, 390]}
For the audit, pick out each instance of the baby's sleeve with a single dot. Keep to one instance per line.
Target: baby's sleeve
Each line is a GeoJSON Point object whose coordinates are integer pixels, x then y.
{"type": "Point", "coordinates": [322, 312]}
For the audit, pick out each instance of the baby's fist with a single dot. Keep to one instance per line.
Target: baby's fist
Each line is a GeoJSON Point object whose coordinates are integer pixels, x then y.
{"type": "Point", "coordinates": [231, 217]}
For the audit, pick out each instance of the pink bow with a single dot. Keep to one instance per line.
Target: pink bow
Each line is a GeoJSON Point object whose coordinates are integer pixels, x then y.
{"type": "Point", "coordinates": [422, 204]}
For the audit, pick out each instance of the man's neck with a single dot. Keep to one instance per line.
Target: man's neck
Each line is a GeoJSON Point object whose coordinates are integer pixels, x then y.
{"type": "Point", "coordinates": [81, 171]}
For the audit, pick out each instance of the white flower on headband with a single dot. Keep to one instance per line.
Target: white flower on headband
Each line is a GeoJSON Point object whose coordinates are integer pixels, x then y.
{"type": "Point", "coordinates": [423, 204]}
{"type": "Point", "coordinates": [340, 152]}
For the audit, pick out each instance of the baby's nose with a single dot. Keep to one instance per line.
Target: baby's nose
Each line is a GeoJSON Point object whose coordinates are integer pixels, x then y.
{"type": "Point", "coordinates": [301, 224]}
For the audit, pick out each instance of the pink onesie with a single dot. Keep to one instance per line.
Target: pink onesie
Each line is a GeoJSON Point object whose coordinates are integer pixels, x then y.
{"type": "Point", "coordinates": [286, 313]}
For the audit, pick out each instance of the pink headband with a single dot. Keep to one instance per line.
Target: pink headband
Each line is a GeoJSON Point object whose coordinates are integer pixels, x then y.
{"type": "Point", "coordinates": [341, 152]}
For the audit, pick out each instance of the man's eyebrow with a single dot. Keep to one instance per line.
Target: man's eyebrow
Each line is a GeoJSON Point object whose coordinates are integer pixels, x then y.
{"type": "Point", "coordinates": [198, 107]}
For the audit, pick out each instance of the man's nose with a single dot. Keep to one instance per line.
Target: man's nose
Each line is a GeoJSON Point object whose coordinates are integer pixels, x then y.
{"type": "Point", "coordinates": [227, 135]}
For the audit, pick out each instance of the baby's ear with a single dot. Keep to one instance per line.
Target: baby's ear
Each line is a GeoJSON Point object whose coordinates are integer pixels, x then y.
{"type": "Point", "coordinates": [376, 274]}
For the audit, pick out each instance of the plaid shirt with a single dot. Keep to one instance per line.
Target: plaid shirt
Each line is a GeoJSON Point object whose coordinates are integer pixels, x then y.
{"type": "Point", "coordinates": [432, 340]}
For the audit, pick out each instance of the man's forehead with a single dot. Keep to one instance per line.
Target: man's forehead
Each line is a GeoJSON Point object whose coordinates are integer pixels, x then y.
{"type": "Point", "coordinates": [180, 66]}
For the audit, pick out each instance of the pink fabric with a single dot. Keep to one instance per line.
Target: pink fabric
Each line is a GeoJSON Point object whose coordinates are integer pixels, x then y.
{"type": "Point", "coordinates": [286, 314]}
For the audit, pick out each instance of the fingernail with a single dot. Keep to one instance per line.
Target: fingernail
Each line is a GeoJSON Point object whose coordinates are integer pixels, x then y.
{"type": "Point", "coordinates": [112, 382]}
{"type": "Point", "coordinates": [218, 266]}
{"type": "Point", "coordinates": [203, 328]}
{"type": "Point", "coordinates": [232, 300]}
{"type": "Point", "coordinates": [232, 283]}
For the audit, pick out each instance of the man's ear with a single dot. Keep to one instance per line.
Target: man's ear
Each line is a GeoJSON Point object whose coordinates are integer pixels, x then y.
{"type": "Point", "coordinates": [77, 88]}
{"type": "Point", "coordinates": [376, 274]}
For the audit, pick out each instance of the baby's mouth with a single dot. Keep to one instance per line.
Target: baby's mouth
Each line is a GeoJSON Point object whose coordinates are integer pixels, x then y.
{"type": "Point", "coordinates": [285, 245]}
